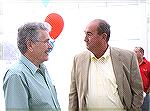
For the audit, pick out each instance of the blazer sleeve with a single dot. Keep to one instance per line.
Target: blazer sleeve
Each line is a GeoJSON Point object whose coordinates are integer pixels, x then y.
{"type": "Point", "coordinates": [73, 95]}
{"type": "Point", "coordinates": [136, 85]}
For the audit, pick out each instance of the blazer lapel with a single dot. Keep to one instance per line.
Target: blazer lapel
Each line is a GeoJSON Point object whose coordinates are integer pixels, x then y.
{"type": "Point", "coordinates": [117, 67]}
{"type": "Point", "coordinates": [84, 76]}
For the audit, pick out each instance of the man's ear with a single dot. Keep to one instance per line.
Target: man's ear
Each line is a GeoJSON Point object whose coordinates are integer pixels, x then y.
{"type": "Point", "coordinates": [104, 36]}
{"type": "Point", "coordinates": [30, 46]}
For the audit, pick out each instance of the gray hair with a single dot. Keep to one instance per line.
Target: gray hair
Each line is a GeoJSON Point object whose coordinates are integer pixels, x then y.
{"type": "Point", "coordinates": [30, 32]}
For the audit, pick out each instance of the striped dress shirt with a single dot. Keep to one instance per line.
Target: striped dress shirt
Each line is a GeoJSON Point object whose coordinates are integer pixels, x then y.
{"type": "Point", "coordinates": [102, 87]}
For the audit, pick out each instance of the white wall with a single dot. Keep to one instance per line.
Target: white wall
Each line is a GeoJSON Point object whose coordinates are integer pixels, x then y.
{"type": "Point", "coordinates": [128, 24]}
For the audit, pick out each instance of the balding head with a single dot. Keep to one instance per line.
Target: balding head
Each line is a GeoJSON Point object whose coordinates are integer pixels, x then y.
{"type": "Point", "coordinates": [102, 27]}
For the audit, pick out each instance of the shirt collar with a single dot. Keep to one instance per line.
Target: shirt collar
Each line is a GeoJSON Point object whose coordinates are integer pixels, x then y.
{"type": "Point", "coordinates": [28, 64]}
{"type": "Point", "coordinates": [144, 61]}
{"type": "Point", "coordinates": [104, 56]}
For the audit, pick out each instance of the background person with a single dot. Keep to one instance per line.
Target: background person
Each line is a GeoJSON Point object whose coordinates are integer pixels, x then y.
{"type": "Point", "coordinates": [144, 66]}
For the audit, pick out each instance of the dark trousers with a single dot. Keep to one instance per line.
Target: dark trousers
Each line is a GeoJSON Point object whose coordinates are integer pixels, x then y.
{"type": "Point", "coordinates": [146, 103]}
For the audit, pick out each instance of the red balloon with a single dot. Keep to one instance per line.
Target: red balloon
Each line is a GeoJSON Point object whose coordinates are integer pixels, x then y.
{"type": "Point", "coordinates": [57, 23]}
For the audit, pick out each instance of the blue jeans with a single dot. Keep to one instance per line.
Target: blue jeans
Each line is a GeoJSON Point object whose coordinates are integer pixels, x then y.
{"type": "Point", "coordinates": [146, 104]}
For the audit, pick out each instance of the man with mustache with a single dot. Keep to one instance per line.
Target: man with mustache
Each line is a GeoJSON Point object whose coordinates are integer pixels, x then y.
{"type": "Point", "coordinates": [27, 85]}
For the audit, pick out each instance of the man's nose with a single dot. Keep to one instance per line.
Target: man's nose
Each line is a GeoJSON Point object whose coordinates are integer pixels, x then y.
{"type": "Point", "coordinates": [51, 44]}
{"type": "Point", "coordinates": [86, 39]}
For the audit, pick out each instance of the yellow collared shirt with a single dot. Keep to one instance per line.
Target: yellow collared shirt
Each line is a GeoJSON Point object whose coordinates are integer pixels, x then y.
{"type": "Point", "coordinates": [102, 87]}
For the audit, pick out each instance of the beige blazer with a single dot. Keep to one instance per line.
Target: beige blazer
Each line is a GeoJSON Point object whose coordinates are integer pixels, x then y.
{"type": "Point", "coordinates": [127, 75]}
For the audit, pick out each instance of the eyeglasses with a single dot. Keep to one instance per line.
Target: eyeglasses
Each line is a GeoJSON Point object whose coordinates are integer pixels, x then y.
{"type": "Point", "coordinates": [49, 42]}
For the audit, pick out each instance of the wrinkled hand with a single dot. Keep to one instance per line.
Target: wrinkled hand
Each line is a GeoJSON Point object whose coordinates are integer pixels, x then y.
{"type": "Point", "coordinates": [144, 94]}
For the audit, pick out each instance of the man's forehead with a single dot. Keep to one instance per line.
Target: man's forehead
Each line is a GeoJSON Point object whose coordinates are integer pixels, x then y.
{"type": "Point", "coordinates": [137, 49]}
{"type": "Point", "coordinates": [44, 34]}
{"type": "Point", "coordinates": [91, 28]}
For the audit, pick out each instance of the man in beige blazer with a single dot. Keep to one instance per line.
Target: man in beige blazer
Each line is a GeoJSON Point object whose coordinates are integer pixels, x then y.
{"type": "Point", "coordinates": [104, 78]}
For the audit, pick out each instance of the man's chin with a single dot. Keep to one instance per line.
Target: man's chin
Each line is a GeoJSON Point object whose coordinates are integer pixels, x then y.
{"type": "Point", "coordinates": [88, 48]}
{"type": "Point", "coordinates": [46, 58]}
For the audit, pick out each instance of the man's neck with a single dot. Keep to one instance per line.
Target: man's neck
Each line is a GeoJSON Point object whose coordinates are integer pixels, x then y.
{"type": "Point", "coordinates": [140, 61]}
{"type": "Point", "coordinates": [100, 53]}
{"type": "Point", "coordinates": [33, 60]}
